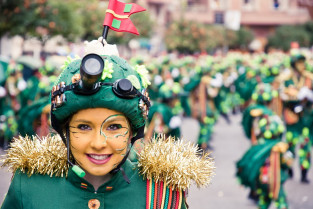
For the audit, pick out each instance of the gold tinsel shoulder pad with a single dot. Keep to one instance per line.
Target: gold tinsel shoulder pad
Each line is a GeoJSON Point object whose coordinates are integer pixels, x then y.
{"type": "Point", "coordinates": [176, 163]}
{"type": "Point", "coordinates": [33, 155]}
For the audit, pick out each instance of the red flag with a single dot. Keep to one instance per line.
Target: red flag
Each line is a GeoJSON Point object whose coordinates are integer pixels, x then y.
{"type": "Point", "coordinates": [117, 16]}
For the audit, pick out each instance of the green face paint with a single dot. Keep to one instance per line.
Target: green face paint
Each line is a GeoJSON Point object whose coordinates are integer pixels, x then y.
{"type": "Point", "coordinates": [114, 126]}
{"type": "Point", "coordinates": [117, 135]}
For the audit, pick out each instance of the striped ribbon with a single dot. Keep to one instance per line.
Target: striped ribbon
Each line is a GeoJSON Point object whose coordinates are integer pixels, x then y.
{"type": "Point", "coordinates": [159, 196]}
{"type": "Point", "coordinates": [274, 174]}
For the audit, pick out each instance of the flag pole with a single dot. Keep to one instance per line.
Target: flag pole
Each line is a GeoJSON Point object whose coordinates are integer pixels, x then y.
{"type": "Point", "coordinates": [105, 32]}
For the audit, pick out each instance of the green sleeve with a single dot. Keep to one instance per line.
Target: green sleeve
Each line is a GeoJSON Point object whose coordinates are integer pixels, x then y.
{"type": "Point", "coordinates": [13, 199]}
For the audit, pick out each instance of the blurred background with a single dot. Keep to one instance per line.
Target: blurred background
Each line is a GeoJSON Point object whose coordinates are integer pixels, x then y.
{"type": "Point", "coordinates": [41, 28]}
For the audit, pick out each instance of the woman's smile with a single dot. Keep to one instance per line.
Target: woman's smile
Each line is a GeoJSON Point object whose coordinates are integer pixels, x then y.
{"type": "Point", "coordinates": [99, 159]}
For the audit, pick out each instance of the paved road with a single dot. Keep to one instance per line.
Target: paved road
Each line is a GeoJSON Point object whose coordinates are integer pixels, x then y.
{"type": "Point", "coordinates": [228, 146]}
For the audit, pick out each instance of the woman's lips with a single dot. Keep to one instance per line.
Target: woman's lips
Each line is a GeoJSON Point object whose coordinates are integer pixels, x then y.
{"type": "Point", "coordinates": [98, 159]}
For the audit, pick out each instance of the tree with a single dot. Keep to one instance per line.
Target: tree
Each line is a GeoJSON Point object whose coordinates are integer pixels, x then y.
{"type": "Point", "coordinates": [286, 34]}
{"type": "Point", "coordinates": [244, 36]}
{"type": "Point", "coordinates": [186, 37]}
{"type": "Point", "coordinates": [40, 18]}
{"type": "Point", "coordinates": [308, 26]}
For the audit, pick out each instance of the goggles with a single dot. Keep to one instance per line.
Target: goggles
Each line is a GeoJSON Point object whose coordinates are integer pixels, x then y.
{"type": "Point", "coordinates": [87, 83]}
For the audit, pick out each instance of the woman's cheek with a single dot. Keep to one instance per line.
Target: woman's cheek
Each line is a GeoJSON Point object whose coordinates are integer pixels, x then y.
{"type": "Point", "coordinates": [120, 144]}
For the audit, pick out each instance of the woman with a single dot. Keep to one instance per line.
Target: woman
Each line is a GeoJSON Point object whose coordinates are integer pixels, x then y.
{"type": "Point", "coordinates": [99, 109]}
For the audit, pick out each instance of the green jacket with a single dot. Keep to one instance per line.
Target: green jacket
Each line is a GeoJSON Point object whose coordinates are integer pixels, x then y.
{"type": "Point", "coordinates": [45, 192]}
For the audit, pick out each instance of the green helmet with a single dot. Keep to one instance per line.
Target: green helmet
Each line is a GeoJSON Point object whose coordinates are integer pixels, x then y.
{"type": "Point", "coordinates": [100, 81]}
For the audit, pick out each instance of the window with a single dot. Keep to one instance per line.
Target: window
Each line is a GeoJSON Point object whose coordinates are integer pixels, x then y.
{"type": "Point", "coordinates": [276, 4]}
{"type": "Point", "coordinates": [219, 18]}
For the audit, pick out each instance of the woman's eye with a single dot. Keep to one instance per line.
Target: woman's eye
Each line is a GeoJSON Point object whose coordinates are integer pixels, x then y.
{"type": "Point", "coordinates": [114, 127]}
{"type": "Point", "coordinates": [83, 127]}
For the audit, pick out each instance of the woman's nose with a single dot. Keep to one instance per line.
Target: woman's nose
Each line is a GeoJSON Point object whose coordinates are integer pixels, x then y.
{"type": "Point", "coordinates": [99, 141]}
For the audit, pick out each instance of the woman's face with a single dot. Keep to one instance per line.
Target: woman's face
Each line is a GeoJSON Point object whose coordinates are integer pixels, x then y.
{"type": "Point", "coordinates": [99, 139]}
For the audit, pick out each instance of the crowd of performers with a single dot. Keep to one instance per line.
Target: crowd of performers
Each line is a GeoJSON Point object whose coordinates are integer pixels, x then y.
{"type": "Point", "coordinates": [273, 92]}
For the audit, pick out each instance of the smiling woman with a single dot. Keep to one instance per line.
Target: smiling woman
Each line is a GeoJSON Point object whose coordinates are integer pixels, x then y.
{"type": "Point", "coordinates": [98, 117]}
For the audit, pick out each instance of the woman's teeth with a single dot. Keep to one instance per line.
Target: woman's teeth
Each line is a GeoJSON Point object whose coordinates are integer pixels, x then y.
{"type": "Point", "coordinates": [99, 157]}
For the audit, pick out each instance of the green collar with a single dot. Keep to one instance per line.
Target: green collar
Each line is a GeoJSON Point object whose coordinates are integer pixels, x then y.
{"type": "Point", "coordinates": [117, 180]}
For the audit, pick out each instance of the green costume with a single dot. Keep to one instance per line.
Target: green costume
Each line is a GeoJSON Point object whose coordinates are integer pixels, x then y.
{"type": "Point", "coordinates": [297, 111]}
{"type": "Point", "coordinates": [31, 192]}
{"type": "Point", "coordinates": [8, 125]}
{"type": "Point", "coordinates": [264, 167]}
{"type": "Point", "coordinates": [169, 109]}
{"type": "Point", "coordinates": [193, 104]}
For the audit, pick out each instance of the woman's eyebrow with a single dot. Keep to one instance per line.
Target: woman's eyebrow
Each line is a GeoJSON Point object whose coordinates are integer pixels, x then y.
{"type": "Point", "coordinates": [81, 121]}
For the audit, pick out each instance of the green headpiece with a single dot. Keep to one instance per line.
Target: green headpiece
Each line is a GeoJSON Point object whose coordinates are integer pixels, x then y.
{"type": "Point", "coordinates": [169, 91]}
{"type": "Point", "coordinates": [118, 87]}
{"type": "Point", "coordinates": [194, 81]}
{"type": "Point", "coordinates": [295, 58]}
{"type": "Point", "coordinates": [263, 93]}
{"type": "Point", "coordinates": [29, 114]}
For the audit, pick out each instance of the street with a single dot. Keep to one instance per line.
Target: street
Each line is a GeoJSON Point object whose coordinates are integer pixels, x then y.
{"type": "Point", "coordinates": [228, 145]}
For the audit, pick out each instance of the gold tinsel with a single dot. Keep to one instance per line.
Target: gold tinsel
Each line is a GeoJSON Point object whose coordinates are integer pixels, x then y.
{"type": "Point", "coordinates": [176, 163]}
{"type": "Point", "coordinates": [37, 156]}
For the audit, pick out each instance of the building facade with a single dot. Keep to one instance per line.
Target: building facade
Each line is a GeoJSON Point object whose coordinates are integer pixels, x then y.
{"type": "Point", "coordinates": [261, 16]}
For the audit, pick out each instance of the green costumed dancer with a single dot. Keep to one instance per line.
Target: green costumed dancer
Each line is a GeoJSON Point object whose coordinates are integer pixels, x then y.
{"type": "Point", "coordinates": [165, 116]}
{"type": "Point", "coordinates": [297, 100]}
{"type": "Point", "coordinates": [202, 107]}
{"type": "Point", "coordinates": [264, 167]}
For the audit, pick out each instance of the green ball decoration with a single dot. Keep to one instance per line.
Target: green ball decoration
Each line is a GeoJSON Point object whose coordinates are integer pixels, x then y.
{"type": "Point", "coordinates": [306, 164]}
{"type": "Point", "coordinates": [262, 122]}
{"type": "Point", "coordinates": [281, 128]}
{"type": "Point", "coordinates": [289, 135]}
{"type": "Point", "coordinates": [275, 93]}
{"type": "Point", "coordinates": [268, 134]}
{"type": "Point", "coordinates": [275, 70]}
{"type": "Point", "coordinates": [266, 96]}
{"type": "Point", "coordinates": [305, 131]}
{"type": "Point", "coordinates": [301, 153]}
{"type": "Point", "coordinates": [255, 96]}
